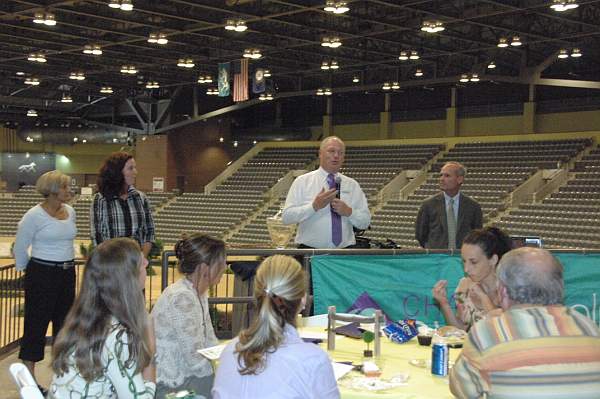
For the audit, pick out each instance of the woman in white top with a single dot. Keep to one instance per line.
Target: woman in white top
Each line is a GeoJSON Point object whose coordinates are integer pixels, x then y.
{"type": "Point", "coordinates": [106, 348]}
{"type": "Point", "coordinates": [182, 320]}
{"type": "Point", "coordinates": [49, 229]}
{"type": "Point", "coordinates": [269, 359]}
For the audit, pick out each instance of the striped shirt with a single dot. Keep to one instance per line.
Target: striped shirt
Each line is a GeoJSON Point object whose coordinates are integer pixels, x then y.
{"type": "Point", "coordinates": [529, 353]}
{"type": "Point", "coordinates": [119, 217]}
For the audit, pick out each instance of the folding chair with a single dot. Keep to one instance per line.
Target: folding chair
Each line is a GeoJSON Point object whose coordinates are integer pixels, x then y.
{"type": "Point", "coordinates": [28, 388]}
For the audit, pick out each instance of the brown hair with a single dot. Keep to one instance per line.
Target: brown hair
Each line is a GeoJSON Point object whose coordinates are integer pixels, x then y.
{"type": "Point", "coordinates": [110, 180]}
{"type": "Point", "coordinates": [196, 249]}
{"type": "Point", "coordinates": [110, 289]}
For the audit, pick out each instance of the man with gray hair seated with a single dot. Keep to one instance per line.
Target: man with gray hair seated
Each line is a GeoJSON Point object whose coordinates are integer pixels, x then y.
{"type": "Point", "coordinates": [536, 347]}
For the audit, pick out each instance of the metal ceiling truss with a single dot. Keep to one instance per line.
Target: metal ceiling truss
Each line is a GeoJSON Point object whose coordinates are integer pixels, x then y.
{"type": "Point", "coordinates": [289, 35]}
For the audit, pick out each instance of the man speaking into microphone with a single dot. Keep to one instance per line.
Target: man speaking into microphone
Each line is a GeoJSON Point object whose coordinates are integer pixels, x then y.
{"type": "Point", "coordinates": [325, 203]}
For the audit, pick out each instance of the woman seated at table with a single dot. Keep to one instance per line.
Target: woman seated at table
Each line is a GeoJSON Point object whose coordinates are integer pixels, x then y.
{"type": "Point", "coordinates": [476, 293]}
{"type": "Point", "coordinates": [182, 321]}
{"type": "Point", "coordinates": [106, 346]}
{"type": "Point", "coordinates": [269, 359]}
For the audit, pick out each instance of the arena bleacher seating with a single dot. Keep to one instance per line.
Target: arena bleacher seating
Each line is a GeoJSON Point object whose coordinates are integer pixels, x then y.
{"type": "Point", "coordinates": [234, 200]}
{"type": "Point", "coordinates": [494, 170]}
{"type": "Point", "coordinates": [569, 217]}
{"type": "Point", "coordinates": [238, 207]}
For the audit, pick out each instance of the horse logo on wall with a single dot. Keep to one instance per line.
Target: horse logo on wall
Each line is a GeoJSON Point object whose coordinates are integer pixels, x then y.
{"type": "Point", "coordinates": [28, 168]}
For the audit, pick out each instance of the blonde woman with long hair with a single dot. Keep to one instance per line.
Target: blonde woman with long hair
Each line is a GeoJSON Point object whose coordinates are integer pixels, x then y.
{"type": "Point", "coordinates": [106, 347]}
{"type": "Point", "coordinates": [269, 359]}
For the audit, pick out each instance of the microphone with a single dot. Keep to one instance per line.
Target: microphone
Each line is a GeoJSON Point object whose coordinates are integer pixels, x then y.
{"type": "Point", "coordinates": [338, 185]}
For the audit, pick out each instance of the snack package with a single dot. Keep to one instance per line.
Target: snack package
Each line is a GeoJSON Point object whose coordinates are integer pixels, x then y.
{"type": "Point", "coordinates": [401, 331]}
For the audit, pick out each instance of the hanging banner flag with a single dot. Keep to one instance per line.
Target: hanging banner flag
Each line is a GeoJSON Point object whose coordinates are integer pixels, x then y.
{"type": "Point", "coordinates": [240, 80]}
{"type": "Point", "coordinates": [258, 82]}
{"type": "Point", "coordinates": [224, 79]}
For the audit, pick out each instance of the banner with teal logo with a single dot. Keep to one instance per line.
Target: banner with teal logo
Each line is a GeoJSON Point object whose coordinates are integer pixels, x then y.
{"type": "Point", "coordinates": [401, 284]}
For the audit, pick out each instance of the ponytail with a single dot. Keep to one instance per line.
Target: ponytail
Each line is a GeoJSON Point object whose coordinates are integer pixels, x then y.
{"type": "Point", "coordinates": [279, 288]}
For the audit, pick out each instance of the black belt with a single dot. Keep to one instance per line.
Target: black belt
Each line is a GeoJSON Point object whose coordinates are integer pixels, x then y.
{"type": "Point", "coordinates": [65, 265]}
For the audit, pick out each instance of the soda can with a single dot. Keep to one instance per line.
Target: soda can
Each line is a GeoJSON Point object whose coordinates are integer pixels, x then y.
{"type": "Point", "coordinates": [439, 359]}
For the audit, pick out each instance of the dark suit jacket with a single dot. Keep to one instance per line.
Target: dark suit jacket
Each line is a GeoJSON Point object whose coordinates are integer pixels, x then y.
{"type": "Point", "coordinates": [431, 227]}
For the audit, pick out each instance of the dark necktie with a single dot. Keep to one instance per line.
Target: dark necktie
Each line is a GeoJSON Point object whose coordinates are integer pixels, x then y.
{"type": "Point", "coordinates": [336, 219]}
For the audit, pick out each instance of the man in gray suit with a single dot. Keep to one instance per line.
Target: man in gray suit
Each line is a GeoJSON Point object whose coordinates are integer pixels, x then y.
{"type": "Point", "coordinates": [436, 227]}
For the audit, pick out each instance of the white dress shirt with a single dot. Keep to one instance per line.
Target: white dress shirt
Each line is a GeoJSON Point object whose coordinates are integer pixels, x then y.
{"type": "Point", "coordinates": [296, 370]}
{"type": "Point", "coordinates": [314, 227]}
{"type": "Point", "coordinates": [50, 239]}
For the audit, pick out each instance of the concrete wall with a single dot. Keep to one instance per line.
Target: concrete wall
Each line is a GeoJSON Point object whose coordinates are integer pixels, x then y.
{"type": "Point", "coordinates": [567, 121]}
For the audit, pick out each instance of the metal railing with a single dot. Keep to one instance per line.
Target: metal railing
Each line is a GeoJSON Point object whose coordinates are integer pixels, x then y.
{"type": "Point", "coordinates": [232, 302]}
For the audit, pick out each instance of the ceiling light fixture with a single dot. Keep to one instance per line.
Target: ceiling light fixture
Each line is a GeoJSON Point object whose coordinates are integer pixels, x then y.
{"type": "Point", "coordinates": [77, 76]}
{"type": "Point", "coordinates": [32, 81]}
{"type": "Point", "coordinates": [267, 73]}
{"type": "Point", "coordinates": [266, 97]}
{"type": "Point", "coordinates": [252, 53]}
{"type": "Point", "coordinates": [186, 63]}
{"type": "Point", "coordinates": [355, 79]}
{"type": "Point", "coordinates": [205, 79]}
{"type": "Point", "coordinates": [516, 41]}
{"type": "Point", "coordinates": [36, 57]}
{"type": "Point", "coordinates": [563, 53]}
{"type": "Point", "coordinates": [212, 92]}
{"type": "Point", "coordinates": [158, 38]}
{"type": "Point", "coordinates": [576, 53]}
{"type": "Point", "coordinates": [125, 5]}
{"type": "Point", "coordinates": [336, 7]}
{"type": "Point", "coordinates": [129, 69]}
{"type": "Point", "coordinates": [464, 78]}
{"type": "Point", "coordinates": [332, 42]}
{"type": "Point", "coordinates": [563, 5]}
{"type": "Point", "coordinates": [47, 19]}
{"type": "Point", "coordinates": [491, 65]}
{"type": "Point", "coordinates": [333, 64]}
{"type": "Point", "coordinates": [32, 112]}
{"type": "Point", "coordinates": [403, 56]}
{"type": "Point", "coordinates": [502, 42]}
{"type": "Point", "coordinates": [474, 77]}
{"type": "Point", "coordinates": [236, 25]}
{"type": "Point", "coordinates": [386, 86]}
{"type": "Point", "coordinates": [92, 49]}
{"type": "Point", "coordinates": [432, 26]}
{"type": "Point", "coordinates": [419, 72]}
{"type": "Point", "coordinates": [66, 98]}
{"type": "Point", "coordinates": [414, 55]}
{"type": "Point", "coordinates": [38, 18]}
{"type": "Point", "coordinates": [152, 84]}
{"type": "Point", "coordinates": [106, 90]}
{"type": "Point", "coordinates": [395, 86]}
